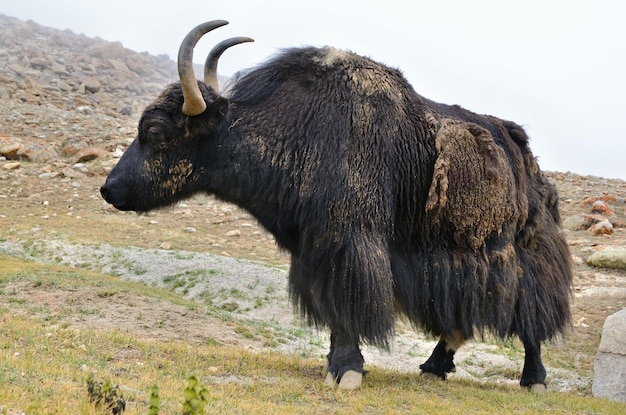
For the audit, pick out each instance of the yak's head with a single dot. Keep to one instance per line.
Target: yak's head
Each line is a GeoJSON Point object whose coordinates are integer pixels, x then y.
{"type": "Point", "coordinates": [167, 160]}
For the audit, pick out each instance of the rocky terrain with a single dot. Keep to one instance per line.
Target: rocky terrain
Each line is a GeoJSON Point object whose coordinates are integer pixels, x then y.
{"type": "Point", "coordinates": [69, 106]}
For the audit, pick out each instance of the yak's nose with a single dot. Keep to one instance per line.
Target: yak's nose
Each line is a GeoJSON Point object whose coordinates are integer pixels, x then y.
{"type": "Point", "coordinates": [115, 193]}
{"type": "Point", "coordinates": [104, 192]}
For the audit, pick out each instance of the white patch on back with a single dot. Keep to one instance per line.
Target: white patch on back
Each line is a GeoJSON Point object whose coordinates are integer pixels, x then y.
{"type": "Point", "coordinates": [331, 56]}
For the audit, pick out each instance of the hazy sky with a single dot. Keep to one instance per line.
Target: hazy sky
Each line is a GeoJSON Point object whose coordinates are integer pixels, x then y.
{"type": "Point", "coordinates": [556, 67]}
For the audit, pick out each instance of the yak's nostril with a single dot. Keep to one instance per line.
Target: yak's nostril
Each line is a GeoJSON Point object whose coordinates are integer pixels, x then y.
{"type": "Point", "coordinates": [104, 192]}
{"type": "Point", "coordinates": [116, 193]}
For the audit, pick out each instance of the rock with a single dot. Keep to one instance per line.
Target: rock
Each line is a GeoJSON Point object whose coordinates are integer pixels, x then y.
{"type": "Point", "coordinates": [59, 70]}
{"type": "Point", "coordinates": [609, 258]}
{"type": "Point", "coordinates": [73, 146]}
{"type": "Point", "coordinates": [106, 50]}
{"type": "Point", "coordinates": [138, 68]}
{"type": "Point", "coordinates": [10, 150]}
{"type": "Point", "coordinates": [91, 84]}
{"type": "Point", "coordinates": [602, 208]}
{"type": "Point", "coordinates": [582, 222]}
{"type": "Point", "coordinates": [609, 379]}
{"type": "Point", "coordinates": [592, 200]}
{"type": "Point", "coordinates": [39, 62]}
{"type": "Point", "coordinates": [601, 228]}
{"type": "Point", "coordinates": [165, 245]}
{"type": "Point", "coordinates": [87, 154]}
{"type": "Point", "coordinates": [11, 166]}
{"type": "Point", "coordinates": [63, 86]}
{"type": "Point", "coordinates": [72, 174]}
{"type": "Point", "coordinates": [234, 232]}
{"type": "Point", "coordinates": [37, 151]}
{"type": "Point", "coordinates": [4, 93]}
{"type": "Point", "coordinates": [84, 109]}
{"type": "Point", "coordinates": [18, 69]}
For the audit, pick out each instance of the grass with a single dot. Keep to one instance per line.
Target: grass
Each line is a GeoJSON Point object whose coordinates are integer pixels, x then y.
{"type": "Point", "coordinates": [238, 381]}
{"type": "Point", "coordinates": [45, 364]}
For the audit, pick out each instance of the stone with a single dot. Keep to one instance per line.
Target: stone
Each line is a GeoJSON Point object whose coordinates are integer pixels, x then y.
{"type": "Point", "coordinates": [59, 70]}
{"type": "Point", "coordinates": [138, 68]}
{"type": "Point", "coordinates": [11, 166]}
{"type": "Point", "coordinates": [72, 174]}
{"type": "Point", "coordinates": [610, 257]}
{"type": "Point", "coordinates": [37, 151]}
{"type": "Point", "coordinates": [601, 207]}
{"type": "Point", "coordinates": [87, 154]}
{"type": "Point", "coordinates": [18, 69]}
{"type": "Point", "coordinates": [609, 379]}
{"type": "Point", "coordinates": [92, 84]}
{"type": "Point", "coordinates": [39, 62]}
{"type": "Point", "coordinates": [582, 222]}
{"type": "Point", "coordinates": [601, 228]}
{"type": "Point", "coordinates": [106, 50]}
{"type": "Point", "coordinates": [84, 109]}
{"type": "Point", "coordinates": [165, 245]}
{"type": "Point", "coordinates": [10, 150]}
{"type": "Point", "coordinates": [63, 86]}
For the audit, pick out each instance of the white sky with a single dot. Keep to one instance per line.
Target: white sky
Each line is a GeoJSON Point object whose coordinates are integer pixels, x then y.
{"type": "Point", "coordinates": [557, 67]}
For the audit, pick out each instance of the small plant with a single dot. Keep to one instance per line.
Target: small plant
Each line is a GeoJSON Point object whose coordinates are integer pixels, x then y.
{"type": "Point", "coordinates": [153, 408]}
{"type": "Point", "coordinates": [103, 394]}
{"type": "Point", "coordinates": [196, 397]}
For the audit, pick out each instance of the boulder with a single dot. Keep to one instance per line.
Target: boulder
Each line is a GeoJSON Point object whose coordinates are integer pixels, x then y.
{"type": "Point", "coordinates": [38, 151]}
{"type": "Point", "coordinates": [610, 257]}
{"type": "Point", "coordinates": [609, 379]}
{"type": "Point", "coordinates": [92, 84]}
{"type": "Point", "coordinates": [601, 228]}
{"type": "Point", "coordinates": [10, 150]}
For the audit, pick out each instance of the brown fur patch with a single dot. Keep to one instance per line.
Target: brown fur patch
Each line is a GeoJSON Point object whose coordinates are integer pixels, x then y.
{"type": "Point", "coordinates": [178, 175]}
{"type": "Point", "coordinates": [472, 184]}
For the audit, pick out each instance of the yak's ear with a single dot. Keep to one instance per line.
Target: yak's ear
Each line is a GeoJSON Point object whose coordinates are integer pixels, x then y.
{"type": "Point", "coordinates": [216, 110]}
{"type": "Point", "coordinates": [472, 187]}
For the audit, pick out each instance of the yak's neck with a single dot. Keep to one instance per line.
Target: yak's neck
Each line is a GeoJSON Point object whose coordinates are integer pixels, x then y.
{"type": "Point", "coordinates": [255, 175]}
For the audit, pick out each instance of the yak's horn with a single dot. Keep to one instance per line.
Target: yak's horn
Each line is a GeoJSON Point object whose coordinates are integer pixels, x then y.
{"type": "Point", "coordinates": [210, 66]}
{"type": "Point", "coordinates": [193, 101]}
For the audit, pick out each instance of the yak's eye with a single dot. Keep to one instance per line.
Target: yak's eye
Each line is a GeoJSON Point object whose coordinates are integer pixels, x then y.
{"type": "Point", "coordinates": [153, 132]}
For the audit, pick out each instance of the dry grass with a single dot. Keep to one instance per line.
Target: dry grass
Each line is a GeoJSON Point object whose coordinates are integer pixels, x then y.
{"type": "Point", "coordinates": [45, 363]}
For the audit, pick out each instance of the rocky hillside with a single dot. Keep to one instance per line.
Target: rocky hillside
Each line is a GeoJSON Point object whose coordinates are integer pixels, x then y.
{"type": "Point", "coordinates": [48, 66]}
{"type": "Point", "coordinates": [69, 98]}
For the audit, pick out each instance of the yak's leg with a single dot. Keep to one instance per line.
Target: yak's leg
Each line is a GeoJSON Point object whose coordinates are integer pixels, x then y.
{"type": "Point", "coordinates": [441, 361]}
{"type": "Point", "coordinates": [534, 373]}
{"type": "Point", "coordinates": [345, 362]}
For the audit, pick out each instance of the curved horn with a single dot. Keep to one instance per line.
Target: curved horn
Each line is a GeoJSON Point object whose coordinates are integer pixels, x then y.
{"type": "Point", "coordinates": [193, 101]}
{"type": "Point", "coordinates": [210, 66]}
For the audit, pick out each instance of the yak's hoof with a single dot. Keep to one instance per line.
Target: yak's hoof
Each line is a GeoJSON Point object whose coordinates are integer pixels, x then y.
{"type": "Point", "coordinates": [349, 381]}
{"type": "Point", "coordinates": [538, 388]}
{"type": "Point", "coordinates": [330, 380]}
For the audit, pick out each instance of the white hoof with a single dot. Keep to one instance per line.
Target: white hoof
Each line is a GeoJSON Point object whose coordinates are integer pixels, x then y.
{"type": "Point", "coordinates": [538, 388]}
{"type": "Point", "coordinates": [351, 380]}
{"type": "Point", "coordinates": [330, 381]}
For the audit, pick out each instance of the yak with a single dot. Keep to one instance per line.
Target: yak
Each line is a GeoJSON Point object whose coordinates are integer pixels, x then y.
{"type": "Point", "coordinates": [387, 202]}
